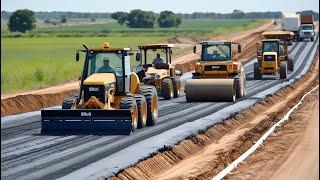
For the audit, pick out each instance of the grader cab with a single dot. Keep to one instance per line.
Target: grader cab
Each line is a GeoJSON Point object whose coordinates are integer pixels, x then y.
{"type": "Point", "coordinates": [111, 100]}
{"type": "Point", "coordinates": [273, 57]}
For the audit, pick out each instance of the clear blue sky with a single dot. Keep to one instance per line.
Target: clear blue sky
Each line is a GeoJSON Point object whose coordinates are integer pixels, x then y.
{"type": "Point", "coordinates": [183, 6]}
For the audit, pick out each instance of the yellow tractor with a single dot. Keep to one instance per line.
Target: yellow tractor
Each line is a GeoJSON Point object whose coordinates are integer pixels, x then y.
{"type": "Point", "coordinates": [217, 76]}
{"type": "Point", "coordinates": [273, 58]}
{"type": "Point", "coordinates": [111, 100]}
{"type": "Point", "coordinates": [162, 75]}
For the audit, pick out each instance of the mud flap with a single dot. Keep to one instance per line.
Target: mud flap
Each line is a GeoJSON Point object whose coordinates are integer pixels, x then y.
{"type": "Point", "coordinates": [100, 122]}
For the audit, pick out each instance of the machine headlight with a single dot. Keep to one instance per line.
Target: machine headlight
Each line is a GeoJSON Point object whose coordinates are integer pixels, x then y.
{"type": "Point", "coordinates": [157, 76]}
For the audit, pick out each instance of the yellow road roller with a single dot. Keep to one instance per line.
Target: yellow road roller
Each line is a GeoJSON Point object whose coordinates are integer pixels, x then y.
{"type": "Point", "coordinates": [111, 99]}
{"type": "Point", "coordinates": [217, 76]}
{"type": "Point", "coordinates": [273, 56]}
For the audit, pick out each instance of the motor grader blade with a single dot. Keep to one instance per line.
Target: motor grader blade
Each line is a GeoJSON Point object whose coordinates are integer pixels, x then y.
{"type": "Point", "coordinates": [81, 121]}
{"type": "Point", "coordinates": [210, 90]}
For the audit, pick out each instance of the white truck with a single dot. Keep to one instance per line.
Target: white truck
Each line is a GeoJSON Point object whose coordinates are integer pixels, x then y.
{"type": "Point", "coordinates": [291, 22]}
{"type": "Point", "coordinates": [306, 27]}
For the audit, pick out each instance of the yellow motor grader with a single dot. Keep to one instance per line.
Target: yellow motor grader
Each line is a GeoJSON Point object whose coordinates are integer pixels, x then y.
{"type": "Point", "coordinates": [111, 100]}
{"type": "Point", "coordinates": [274, 58]}
{"type": "Point", "coordinates": [162, 75]}
{"type": "Point", "coordinates": [217, 76]}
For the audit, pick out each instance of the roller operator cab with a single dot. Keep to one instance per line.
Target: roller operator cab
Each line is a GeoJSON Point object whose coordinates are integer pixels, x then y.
{"type": "Point", "coordinates": [273, 55]}
{"type": "Point", "coordinates": [111, 98]}
{"type": "Point", "coordinates": [217, 76]}
{"type": "Point", "coordinates": [155, 69]}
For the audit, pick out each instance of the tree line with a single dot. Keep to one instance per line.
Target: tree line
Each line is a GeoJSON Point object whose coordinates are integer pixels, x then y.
{"type": "Point", "coordinates": [195, 15]}
{"type": "Point", "coordinates": [24, 19]}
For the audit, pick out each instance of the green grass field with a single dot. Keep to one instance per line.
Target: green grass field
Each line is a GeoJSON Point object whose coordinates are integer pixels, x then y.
{"type": "Point", "coordinates": [31, 63]}
{"type": "Point", "coordinates": [109, 27]}
{"type": "Point", "coordinates": [28, 63]}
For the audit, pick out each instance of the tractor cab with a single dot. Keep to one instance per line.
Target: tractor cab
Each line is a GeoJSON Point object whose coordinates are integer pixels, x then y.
{"type": "Point", "coordinates": [155, 69]}
{"type": "Point", "coordinates": [272, 51]}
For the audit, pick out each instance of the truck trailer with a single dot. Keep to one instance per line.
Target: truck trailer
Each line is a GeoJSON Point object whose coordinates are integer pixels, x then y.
{"type": "Point", "coordinates": [291, 22]}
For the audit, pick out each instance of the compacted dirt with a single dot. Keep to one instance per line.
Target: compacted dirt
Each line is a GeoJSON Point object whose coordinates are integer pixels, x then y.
{"type": "Point", "coordinates": [35, 100]}
{"type": "Point", "coordinates": [292, 152]}
{"type": "Point", "coordinates": [206, 154]}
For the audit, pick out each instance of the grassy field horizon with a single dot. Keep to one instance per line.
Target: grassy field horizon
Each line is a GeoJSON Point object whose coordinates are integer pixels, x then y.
{"type": "Point", "coordinates": [29, 63]}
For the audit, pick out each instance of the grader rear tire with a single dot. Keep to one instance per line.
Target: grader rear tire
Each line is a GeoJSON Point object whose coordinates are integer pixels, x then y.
{"type": "Point", "coordinates": [283, 70]}
{"type": "Point", "coordinates": [256, 71]}
{"type": "Point", "coordinates": [176, 87]}
{"type": "Point", "coordinates": [167, 89]}
{"type": "Point", "coordinates": [290, 65]}
{"type": "Point", "coordinates": [142, 110]}
{"type": "Point", "coordinates": [130, 103]}
{"type": "Point", "coordinates": [150, 93]}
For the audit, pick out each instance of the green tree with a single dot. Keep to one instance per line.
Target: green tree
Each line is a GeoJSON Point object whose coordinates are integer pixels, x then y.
{"type": "Point", "coordinates": [237, 14]}
{"type": "Point", "coordinates": [168, 19]}
{"type": "Point", "coordinates": [141, 19]}
{"type": "Point", "coordinates": [21, 20]}
{"type": "Point", "coordinates": [121, 17]}
{"type": "Point", "coordinates": [63, 19]}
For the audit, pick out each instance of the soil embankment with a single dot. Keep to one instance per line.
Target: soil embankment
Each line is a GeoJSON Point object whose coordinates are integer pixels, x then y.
{"type": "Point", "coordinates": [205, 155]}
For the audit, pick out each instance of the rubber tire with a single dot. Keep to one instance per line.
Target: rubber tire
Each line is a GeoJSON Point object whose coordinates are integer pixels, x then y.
{"type": "Point", "coordinates": [67, 103]}
{"type": "Point", "coordinates": [301, 39]}
{"type": "Point", "coordinates": [290, 65]}
{"type": "Point", "coordinates": [141, 100]}
{"type": "Point", "coordinates": [167, 89]}
{"type": "Point", "coordinates": [128, 103]}
{"type": "Point", "coordinates": [256, 71]}
{"type": "Point", "coordinates": [283, 70]}
{"type": "Point", "coordinates": [150, 93]}
{"type": "Point", "coordinates": [176, 87]}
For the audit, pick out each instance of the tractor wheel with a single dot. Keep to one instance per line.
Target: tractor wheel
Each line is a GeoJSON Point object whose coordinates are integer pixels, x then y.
{"type": "Point", "coordinates": [150, 93]}
{"type": "Point", "coordinates": [67, 103]}
{"type": "Point", "coordinates": [283, 70]}
{"type": "Point", "coordinates": [256, 71]}
{"type": "Point", "coordinates": [167, 89]}
{"type": "Point", "coordinates": [176, 87]}
{"type": "Point", "coordinates": [290, 65]}
{"type": "Point", "coordinates": [142, 110]}
{"type": "Point", "coordinates": [130, 103]}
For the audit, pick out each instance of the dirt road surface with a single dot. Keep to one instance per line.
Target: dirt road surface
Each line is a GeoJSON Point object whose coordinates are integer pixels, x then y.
{"type": "Point", "coordinates": [290, 153]}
